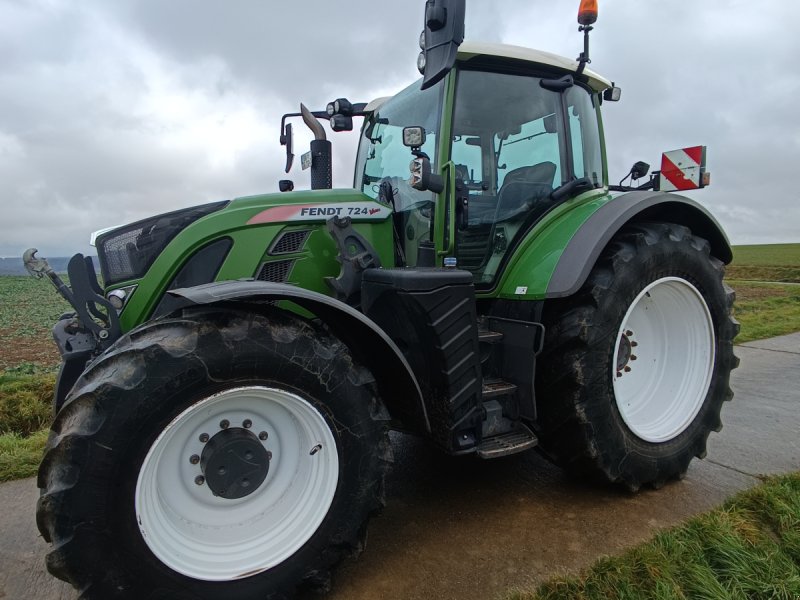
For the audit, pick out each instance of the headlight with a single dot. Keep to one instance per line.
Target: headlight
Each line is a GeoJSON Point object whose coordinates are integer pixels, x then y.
{"type": "Point", "coordinates": [127, 252]}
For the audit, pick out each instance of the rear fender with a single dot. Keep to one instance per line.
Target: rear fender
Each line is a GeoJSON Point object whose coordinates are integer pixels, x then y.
{"type": "Point", "coordinates": [370, 345]}
{"type": "Point", "coordinates": [589, 240]}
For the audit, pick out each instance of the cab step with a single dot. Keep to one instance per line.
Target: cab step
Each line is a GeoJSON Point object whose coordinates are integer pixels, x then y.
{"type": "Point", "coordinates": [487, 336]}
{"type": "Point", "coordinates": [497, 387]}
{"type": "Point", "coordinates": [518, 440]}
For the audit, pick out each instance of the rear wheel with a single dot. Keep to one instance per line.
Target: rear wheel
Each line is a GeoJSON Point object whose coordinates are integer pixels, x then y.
{"type": "Point", "coordinates": [637, 364]}
{"type": "Point", "coordinates": [215, 455]}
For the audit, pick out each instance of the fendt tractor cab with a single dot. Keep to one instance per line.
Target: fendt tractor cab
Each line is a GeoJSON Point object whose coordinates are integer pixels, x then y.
{"type": "Point", "coordinates": [225, 395]}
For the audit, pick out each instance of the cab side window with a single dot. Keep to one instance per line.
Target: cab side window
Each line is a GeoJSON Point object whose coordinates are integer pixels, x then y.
{"type": "Point", "coordinates": [585, 135]}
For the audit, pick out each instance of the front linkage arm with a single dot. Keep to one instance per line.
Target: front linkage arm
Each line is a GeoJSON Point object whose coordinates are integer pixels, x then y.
{"type": "Point", "coordinates": [86, 332]}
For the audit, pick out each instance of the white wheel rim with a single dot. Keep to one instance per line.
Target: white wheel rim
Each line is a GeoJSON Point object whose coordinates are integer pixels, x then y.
{"type": "Point", "coordinates": [667, 336]}
{"type": "Point", "coordinates": [211, 538]}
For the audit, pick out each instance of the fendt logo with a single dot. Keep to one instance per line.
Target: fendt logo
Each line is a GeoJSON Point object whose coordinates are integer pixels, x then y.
{"type": "Point", "coordinates": [369, 211]}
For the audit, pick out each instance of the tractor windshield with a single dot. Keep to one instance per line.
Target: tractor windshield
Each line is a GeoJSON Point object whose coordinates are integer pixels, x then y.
{"type": "Point", "coordinates": [381, 153]}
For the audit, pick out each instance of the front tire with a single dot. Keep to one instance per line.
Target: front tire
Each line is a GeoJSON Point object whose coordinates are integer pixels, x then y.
{"type": "Point", "coordinates": [637, 364]}
{"type": "Point", "coordinates": [218, 454]}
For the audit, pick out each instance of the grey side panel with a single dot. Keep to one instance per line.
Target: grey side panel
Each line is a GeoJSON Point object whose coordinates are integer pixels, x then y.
{"type": "Point", "coordinates": [369, 343]}
{"type": "Point", "coordinates": [593, 236]}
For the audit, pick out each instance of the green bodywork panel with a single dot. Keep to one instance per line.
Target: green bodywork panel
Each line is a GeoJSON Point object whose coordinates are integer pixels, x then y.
{"type": "Point", "coordinates": [530, 267]}
{"type": "Point", "coordinates": [315, 261]}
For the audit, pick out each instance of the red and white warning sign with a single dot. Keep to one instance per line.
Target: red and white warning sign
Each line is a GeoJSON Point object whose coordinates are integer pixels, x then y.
{"type": "Point", "coordinates": [683, 169]}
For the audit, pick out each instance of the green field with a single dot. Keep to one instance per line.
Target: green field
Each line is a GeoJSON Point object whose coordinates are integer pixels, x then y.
{"type": "Point", "coordinates": [28, 309]}
{"type": "Point", "coordinates": [766, 309]}
{"type": "Point", "coordinates": [766, 262]}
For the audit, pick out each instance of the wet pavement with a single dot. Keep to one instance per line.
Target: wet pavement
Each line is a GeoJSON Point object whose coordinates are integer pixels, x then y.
{"type": "Point", "coordinates": [467, 529]}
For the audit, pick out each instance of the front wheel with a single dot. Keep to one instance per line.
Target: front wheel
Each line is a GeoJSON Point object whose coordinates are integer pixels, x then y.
{"type": "Point", "coordinates": [215, 455]}
{"type": "Point", "coordinates": [637, 364]}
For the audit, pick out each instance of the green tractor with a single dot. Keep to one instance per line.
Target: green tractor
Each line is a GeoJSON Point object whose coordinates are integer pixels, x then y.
{"type": "Point", "coordinates": [225, 397]}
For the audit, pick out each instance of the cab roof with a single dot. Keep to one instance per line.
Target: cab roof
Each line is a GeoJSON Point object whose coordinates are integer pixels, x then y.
{"type": "Point", "coordinates": [469, 50]}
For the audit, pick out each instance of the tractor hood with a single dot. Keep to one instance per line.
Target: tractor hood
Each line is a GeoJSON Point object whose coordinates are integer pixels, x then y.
{"type": "Point", "coordinates": [127, 252]}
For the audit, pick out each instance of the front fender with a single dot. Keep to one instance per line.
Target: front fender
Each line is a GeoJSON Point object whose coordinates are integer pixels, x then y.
{"type": "Point", "coordinates": [371, 346]}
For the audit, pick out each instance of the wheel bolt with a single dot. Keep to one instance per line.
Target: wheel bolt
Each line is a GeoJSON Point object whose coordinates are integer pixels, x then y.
{"type": "Point", "coordinates": [627, 369]}
{"type": "Point", "coordinates": [247, 424]}
{"type": "Point", "coordinates": [619, 373]}
{"type": "Point", "coordinates": [245, 483]}
{"type": "Point", "coordinates": [634, 344]}
{"type": "Point", "coordinates": [224, 424]}
{"type": "Point", "coordinates": [269, 455]}
{"type": "Point", "coordinates": [315, 449]}
{"type": "Point", "coordinates": [248, 456]}
{"type": "Point", "coordinates": [634, 357]}
{"type": "Point", "coordinates": [628, 332]}
{"type": "Point", "coordinates": [222, 471]}
{"type": "Point", "coordinates": [199, 480]}
{"type": "Point", "coordinates": [263, 435]}
{"type": "Point", "coordinates": [194, 459]}
{"type": "Point", "coordinates": [204, 437]}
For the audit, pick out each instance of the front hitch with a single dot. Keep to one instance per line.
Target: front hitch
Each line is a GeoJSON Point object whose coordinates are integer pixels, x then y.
{"type": "Point", "coordinates": [95, 314]}
{"type": "Point", "coordinates": [81, 335]}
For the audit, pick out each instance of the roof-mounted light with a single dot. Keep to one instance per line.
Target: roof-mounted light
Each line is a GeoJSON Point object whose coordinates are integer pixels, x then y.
{"type": "Point", "coordinates": [587, 13]}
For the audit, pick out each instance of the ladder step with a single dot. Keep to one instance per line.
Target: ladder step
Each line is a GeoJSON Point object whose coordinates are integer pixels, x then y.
{"type": "Point", "coordinates": [489, 337]}
{"type": "Point", "coordinates": [492, 389]}
{"type": "Point", "coordinates": [504, 444]}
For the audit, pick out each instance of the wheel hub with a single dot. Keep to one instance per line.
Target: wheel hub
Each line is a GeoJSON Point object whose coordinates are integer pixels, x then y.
{"type": "Point", "coordinates": [234, 463]}
{"type": "Point", "coordinates": [623, 354]}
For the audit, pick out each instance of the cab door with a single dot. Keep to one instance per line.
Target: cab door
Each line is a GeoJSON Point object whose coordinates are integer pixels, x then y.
{"type": "Point", "coordinates": [514, 142]}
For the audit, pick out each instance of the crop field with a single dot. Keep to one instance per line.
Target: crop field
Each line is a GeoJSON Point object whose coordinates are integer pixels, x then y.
{"type": "Point", "coordinates": [28, 309]}
{"type": "Point", "coordinates": [767, 262]}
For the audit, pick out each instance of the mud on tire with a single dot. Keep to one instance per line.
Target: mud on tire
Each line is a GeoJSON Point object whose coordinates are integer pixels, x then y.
{"type": "Point", "coordinates": [91, 510]}
{"type": "Point", "coordinates": [591, 423]}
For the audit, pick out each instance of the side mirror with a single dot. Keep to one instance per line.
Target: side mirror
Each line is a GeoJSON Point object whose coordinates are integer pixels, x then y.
{"type": "Point", "coordinates": [443, 34]}
{"type": "Point", "coordinates": [612, 94]}
{"type": "Point", "coordinates": [639, 170]}
{"type": "Point", "coordinates": [287, 139]}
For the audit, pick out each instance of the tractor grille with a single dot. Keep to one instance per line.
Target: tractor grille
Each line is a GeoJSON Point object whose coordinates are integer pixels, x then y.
{"type": "Point", "coordinates": [276, 271]}
{"type": "Point", "coordinates": [289, 242]}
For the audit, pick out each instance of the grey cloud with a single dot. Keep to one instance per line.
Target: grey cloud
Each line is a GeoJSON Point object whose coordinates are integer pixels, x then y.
{"type": "Point", "coordinates": [110, 111]}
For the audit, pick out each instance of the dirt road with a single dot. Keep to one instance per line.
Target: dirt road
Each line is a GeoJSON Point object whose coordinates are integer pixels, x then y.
{"type": "Point", "coordinates": [471, 529]}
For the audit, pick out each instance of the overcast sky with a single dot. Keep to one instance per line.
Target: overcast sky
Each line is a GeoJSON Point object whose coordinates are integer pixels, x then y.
{"type": "Point", "coordinates": [111, 111]}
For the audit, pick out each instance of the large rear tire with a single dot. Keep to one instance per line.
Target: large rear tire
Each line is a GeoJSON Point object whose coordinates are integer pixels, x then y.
{"type": "Point", "coordinates": [215, 455]}
{"type": "Point", "coordinates": [637, 364]}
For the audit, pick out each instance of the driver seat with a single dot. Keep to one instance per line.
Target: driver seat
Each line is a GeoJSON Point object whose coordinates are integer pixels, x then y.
{"type": "Point", "coordinates": [523, 189]}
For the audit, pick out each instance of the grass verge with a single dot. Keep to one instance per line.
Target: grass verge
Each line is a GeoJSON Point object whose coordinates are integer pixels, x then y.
{"type": "Point", "coordinates": [766, 309]}
{"type": "Point", "coordinates": [20, 456]}
{"type": "Point", "coordinates": [749, 548]}
{"type": "Point", "coordinates": [26, 393]}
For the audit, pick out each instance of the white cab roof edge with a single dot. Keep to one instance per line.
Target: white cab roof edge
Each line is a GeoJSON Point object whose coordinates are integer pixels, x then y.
{"type": "Point", "coordinates": [376, 104]}
{"type": "Point", "coordinates": [468, 50]}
